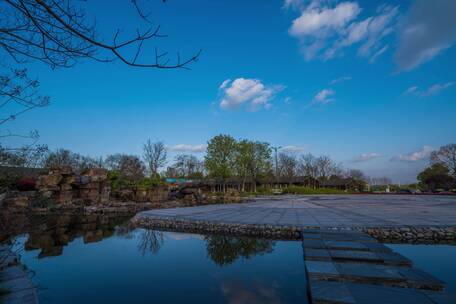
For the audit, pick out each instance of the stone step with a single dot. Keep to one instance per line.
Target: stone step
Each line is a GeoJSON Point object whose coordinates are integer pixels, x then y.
{"type": "Point", "coordinates": [330, 292]}
{"type": "Point", "coordinates": [345, 245]}
{"type": "Point", "coordinates": [339, 236]}
{"type": "Point", "coordinates": [372, 274]}
{"type": "Point", "coordinates": [386, 258]}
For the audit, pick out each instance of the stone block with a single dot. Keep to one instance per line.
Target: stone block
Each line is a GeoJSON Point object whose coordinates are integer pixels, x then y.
{"type": "Point", "coordinates": [358, 256]}
{"type": "Point", "coordinates": [326, 292]}
{"type": "Point", "coordinates": [50, 180]}
{"type": "Point", "coordinates": [345, 245]}
{"type": "Point", "coordinates": [316, 254]}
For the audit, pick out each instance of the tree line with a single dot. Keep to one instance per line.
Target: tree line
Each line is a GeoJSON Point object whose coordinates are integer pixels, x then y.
{"type": "Point", "coordinates": [441, 172]}
{"type": "Point", "coordinates": [246, 161]}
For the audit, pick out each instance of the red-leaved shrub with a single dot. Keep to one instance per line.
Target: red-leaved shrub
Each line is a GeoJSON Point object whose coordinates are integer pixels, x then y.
{"type": "Point", "coordinates": [26, 184]}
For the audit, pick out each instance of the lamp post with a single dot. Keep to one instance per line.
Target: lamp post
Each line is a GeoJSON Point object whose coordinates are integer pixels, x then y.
{"type": "Point", "coordinates": [276, 162]}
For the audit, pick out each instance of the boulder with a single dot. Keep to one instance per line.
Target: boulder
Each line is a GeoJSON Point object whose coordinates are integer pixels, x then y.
{"type": "Point", "coordinates": [49, 181]}
{"type": "Point", "coordinates": [96, 174]}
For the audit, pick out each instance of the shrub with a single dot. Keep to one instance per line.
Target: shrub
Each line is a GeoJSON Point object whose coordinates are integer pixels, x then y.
{"type": "Point", "coordinates": [147, 183]}
{"type": "Point", "coordinates": [117, 182]}
{"type": "Point", "coordinates": [307, 190]}
{"type": "Point", "coordinates": [8, 181]}
{"type": "Point", "coordinates": [26, 184]}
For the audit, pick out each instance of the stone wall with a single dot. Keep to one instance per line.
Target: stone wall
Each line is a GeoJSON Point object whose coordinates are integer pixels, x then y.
{"type": "Point", "coordinates": [63, 186]}
{"type": "Point", "coordinates": [158, 194]}
{"type": "Point", "coordinates": [413, 235]}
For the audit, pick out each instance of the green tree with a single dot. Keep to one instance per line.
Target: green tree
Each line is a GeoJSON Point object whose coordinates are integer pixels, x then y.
{"type": "Point", "coordinates": [435, 177]}
{"type": "Point", "coordinates": [244, 158]}
{"type": "Point", "coordinates": [261, 165]}
{"type": "Point", "coordinates": [220, 157]}
{"type": "Point", "coordinates": [253, 159]}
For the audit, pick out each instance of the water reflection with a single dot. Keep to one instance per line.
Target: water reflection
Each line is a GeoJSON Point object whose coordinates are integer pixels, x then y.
{"type": "Point", "coordinates": [225, 250]}
{"type": "Point", "coordinates": [260, 292]}
{"type": "Point", "coordinates": [52, 232]}
{"type": "Point", "coordinates": [127, 265]}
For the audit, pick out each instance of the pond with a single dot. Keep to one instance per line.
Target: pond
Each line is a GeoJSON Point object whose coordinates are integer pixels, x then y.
{"type": "Point", "coordinates": [119, 265]}
{"type": "Point", "coordinates": [98, 259]}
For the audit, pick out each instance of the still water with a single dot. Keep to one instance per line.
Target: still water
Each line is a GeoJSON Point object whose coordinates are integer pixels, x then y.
{"type": "Point", "coordinates": [438, 260]}
{"type": "Point", "coordinates": [145, 266]}
{"type": "Point", "coordinates": [98, 259]}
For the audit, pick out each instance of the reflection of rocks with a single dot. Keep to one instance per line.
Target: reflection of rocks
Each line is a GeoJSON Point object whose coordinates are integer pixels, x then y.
{"type": "Point", "coordinates": [93, 236]}
{"type": "Point", "coordinates": [224, 250]}
{"type": "Point", "coordinates": [51, 233]}
{"type": "Point", "coordinates": [50, 252]}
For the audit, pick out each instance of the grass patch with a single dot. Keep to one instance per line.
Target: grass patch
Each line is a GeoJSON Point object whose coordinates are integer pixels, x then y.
{"type": "Point", "coordinates": [306, 190]}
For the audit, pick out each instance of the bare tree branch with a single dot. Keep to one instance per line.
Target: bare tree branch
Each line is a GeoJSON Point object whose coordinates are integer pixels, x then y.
{"type": "Point", "coordinates": [56, 32]}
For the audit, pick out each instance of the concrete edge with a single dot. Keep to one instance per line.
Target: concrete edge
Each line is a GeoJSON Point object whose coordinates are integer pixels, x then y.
{"type": "Point", "coordinates": [392, 234]}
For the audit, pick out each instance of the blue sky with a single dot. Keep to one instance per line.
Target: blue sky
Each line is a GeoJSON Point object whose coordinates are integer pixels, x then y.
{"type": "Point", "coordinates": [369, 83]}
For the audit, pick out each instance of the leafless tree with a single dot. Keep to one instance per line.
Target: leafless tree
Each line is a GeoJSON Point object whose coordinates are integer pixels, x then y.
{"type": "Point", "coordinates": [356, 174]}
{"type": "Point", "coordinates": [307, 166]}
{"type": "Point", "coordinates": [380, 181]}
{"type": "Point", "coordinates": [24, 157]}
{"type": "Point", "coordinates": [154, 155]}
{"type": "Point", "coordinates": [186, 165]}
{"type": "Point", "coordinates": [446, 156]}
{"type": "Point", "coordinates": [324, 166]}
{"type": "Point", "coordinates": [63, 157]}
{"type": "Point", "coordinates": [18, 95]}
{"type": "Point", "coordinates": [287, 166]}
{"type": "Point", "coordinates": [59, 33]}
{"type": "Point", "coordinates": [129, 166]}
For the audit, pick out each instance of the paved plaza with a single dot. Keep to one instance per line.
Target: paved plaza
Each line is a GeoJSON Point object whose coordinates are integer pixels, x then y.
{"type": "Point", "coordinates": [325, 211]}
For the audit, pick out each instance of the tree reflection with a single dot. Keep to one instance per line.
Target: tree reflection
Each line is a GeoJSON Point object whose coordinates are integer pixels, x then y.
{"type": "Point", "coordinates": [150, 241]}
{"type": "Point", "coordinates": [224, 250]}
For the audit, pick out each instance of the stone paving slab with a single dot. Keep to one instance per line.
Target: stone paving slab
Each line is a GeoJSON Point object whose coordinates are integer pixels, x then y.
{"type": "Point", "coordinates": [329, 292]}
{"type": "Point", "coordinates": [326, 211]}
{"type": "Point", "coordinates": [349, 272]}
{"type": "Point", "coordinates": [389, 258]}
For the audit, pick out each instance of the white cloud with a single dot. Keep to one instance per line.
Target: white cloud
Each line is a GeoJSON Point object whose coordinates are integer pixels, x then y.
{"type": "Point", "coordinates": [246, 91]}
{"type": "Point", "coordinates": [188, 148]}
{"type": "Point", "coordinates": [224, 84]}
{"type": "Point", "coordinates": [293, 4]}
{"type": "Point", "coordinates": [318, 21]}
{"type": "Point", "coordinates": [437, 88]}
{"type": "Point", "coordinates": [378, 54]}
{"type": "Point", "coordinates": [431, 90]}
{"type": "Point", "coordinates": [324, 31]}
{"type": "Point", "coordinates": [293, 149]}
{"type": "Point", "coordinates": [324, 96]}
{"type": "Point", "coordinates": [287, 100]}
{"type": "Point", "coordinates": [427, 30]}
{"type": "Point", "coordinates": [367, 156]}
{"type": "Point", "coordinates": [419, 155]}
{"type": "Point", "coordinates": [412, 90]}
{"type": "Point", "coordinates": [340, 79]}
